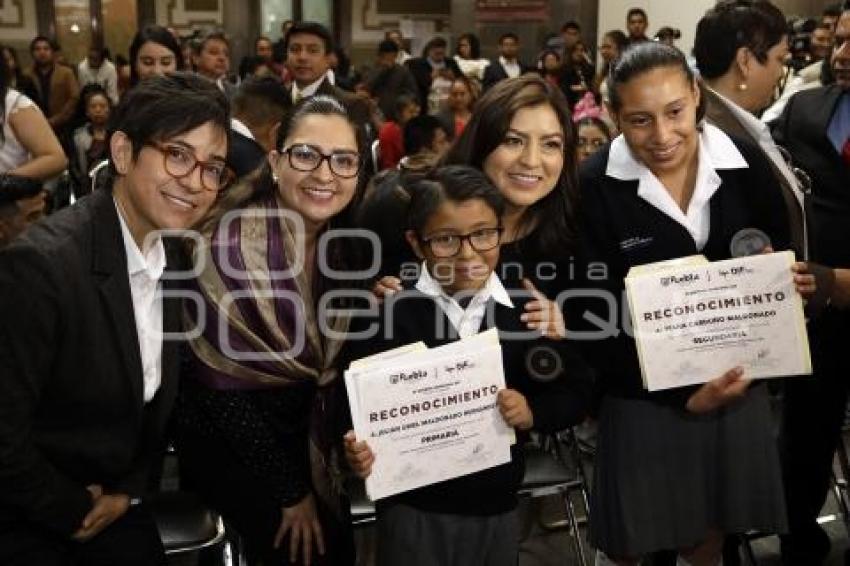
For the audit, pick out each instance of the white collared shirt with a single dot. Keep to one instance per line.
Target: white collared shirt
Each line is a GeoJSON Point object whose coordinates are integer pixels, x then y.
{"type": "Point", "coordinates": [467, 322]}
{"type": "Point", "coordinates": [145, 272]}
{"type": "Point", "coordinates": [307, 91]}
{"type": "Point", "coordinates": [716, 151]}
{"type": "Point", "coordinates": [239, 126]}
{"type": "Point", "coordinates": [511, 67]}
{"type": "Point", "coordinates": [761, 133]}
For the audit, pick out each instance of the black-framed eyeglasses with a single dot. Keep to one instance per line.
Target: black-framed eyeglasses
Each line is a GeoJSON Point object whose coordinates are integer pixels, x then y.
{"type": "Point", "coordinates": [306, 158]}
{"type": "Point", "coordinates": [448, 245]}
{"type": "Point", "coordinates": [180, 162]}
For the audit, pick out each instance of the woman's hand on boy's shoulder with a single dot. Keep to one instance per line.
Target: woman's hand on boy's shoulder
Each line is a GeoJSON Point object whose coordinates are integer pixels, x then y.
{"type": "Point", "coordinates": [514, 408]}
{"type": "Point", "coordinates": [542, 314]}
{"type": "Point", "coordinates": [360, 457]}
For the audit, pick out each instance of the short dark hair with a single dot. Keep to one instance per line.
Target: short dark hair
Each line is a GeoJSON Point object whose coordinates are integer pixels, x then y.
{"type": "Point", "coordinates": [833, 10]}
{"type": "Point", "coordinates": [757, 25]}
{"type": "Point", "coordinates": [154, 34]}
{"type": "Point", "coordinates": [16, 187]}
{"type": "Point", "coordinates": [474, 44]}
{"type": "Point", "coordinates": [213, 35]}
{"type": "Point", "coordinates": [452, 183]}
{"type": "Point", "coordinates": [641, 58]}
{"type": "Point", "coordinates": [570, 24]}
{"type": "Point", "coordinates": [310, 28]}
{"type": "Point", "coordinates": [432, 43]}
{"type": "Point", "coordinates": [419, 133]}
{"type": "Point", "coordinates": [636, 12]}
{"type": "Point", "coordinates": [261, 100]}
{"type": "Point", "coordinates": [402, 101]}
{"type": "Point", "coordinates": [387, 46]}
{"type": "Point", "coordinates": [620, 39]}
{"type": "Point", "coordinates": [165, 106]}
{"type": "Point", "coordinates": [39, 39]}
{"type": "Point", "coordinates": [508, 35]}
{"type": "Point", "coordinates": [596, 123]}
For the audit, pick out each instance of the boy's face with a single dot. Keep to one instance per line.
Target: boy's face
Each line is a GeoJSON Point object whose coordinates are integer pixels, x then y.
{"type": "Point", "coordinates": [469, 268]}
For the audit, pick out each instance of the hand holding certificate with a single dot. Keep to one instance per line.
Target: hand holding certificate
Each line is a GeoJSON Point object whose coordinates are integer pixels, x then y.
{"type": "Point", "coordinates": [430, 415]}
{"type": "Point", "coordinates": [694, 320]}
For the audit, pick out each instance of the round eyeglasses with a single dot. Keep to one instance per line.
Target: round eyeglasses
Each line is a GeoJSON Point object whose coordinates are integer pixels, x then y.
{"type": "Point", "coordinates": [448, 245]}
{"type": "Point", "coordinates": [180, 162]}
{"type": "Point", "coordinates": [306, 158]}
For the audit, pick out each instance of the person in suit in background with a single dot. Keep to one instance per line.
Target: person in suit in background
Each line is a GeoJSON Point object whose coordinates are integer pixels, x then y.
{"type": "Point", "coordinates": [507, 65]}
{"type": "Point", "coordinates": [815, 129]}
{"type": "Point", "coordinates": [211, 59]}
{"type": "Point", "coordinates": [308, 48]}
{"type": "Point", "coordinates": [258, 108]}
{"type": "Point", "coordinates": [87, 381]}
{"type": "Point", "coordinates": [55, 85]}
{"type": "Point", "coordinates": [390, 80]}
{"type": "Point", "coordinates": [433, 72]}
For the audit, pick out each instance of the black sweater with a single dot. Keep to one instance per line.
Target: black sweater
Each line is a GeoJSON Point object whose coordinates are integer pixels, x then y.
{"type": "Point", "coordinates": [556, 403]}
{"type": "Point", "coordinates": [619, 230]}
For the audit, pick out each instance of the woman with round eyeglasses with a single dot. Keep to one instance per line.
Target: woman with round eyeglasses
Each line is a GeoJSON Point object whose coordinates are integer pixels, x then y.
{"type": "Point", "coordinates": [258, 406]}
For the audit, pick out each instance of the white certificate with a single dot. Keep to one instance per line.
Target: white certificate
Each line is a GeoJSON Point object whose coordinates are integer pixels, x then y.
{"type": "Point", "coordinates": [430, 416]}
{"type": "Point", "coordinates": [694, 321]}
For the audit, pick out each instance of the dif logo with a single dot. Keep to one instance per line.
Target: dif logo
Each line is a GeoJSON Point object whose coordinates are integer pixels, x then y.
{"type": "Point", "coordinates": [402, 377]}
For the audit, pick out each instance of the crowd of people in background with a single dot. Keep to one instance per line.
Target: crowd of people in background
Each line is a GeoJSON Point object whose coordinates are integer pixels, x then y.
{"type": "Point", "coordinates": [457, 163]}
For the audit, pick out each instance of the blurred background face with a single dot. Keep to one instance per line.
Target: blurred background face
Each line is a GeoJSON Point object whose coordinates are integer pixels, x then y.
{"type": "Point", "coordinates": [97, 109]}
{"type": "Point", "coordinates": [570, 36]}
{"type": "Point", "coordinates": [509, 47]}
{"type": "Point", "coordinates": [264, 49]}
{"type": "Point", "coordinates": [608, 49]}
{"type": "Point", "coordinates": [10, 61]}
{"type": "Point", "coordinates": [95, 58]}
{"type": "Point", "coordinates": [396, 38]}
{"type": "Point", "coordinates": [464, 49]}
{"type": "Point", "coordinates": [762, 78]}
{"type": "Point", "coordinates": [551, 63]}
{"type": "Point", "coordinates": [42, 53]}
{"type": "Point", "coordinates": [154, 59]}
{"type": "Point", "coordinates": [460, 99]}
{"type": "Point", "coordinates": [214, 59]}
{"type": "Point", "coordinates": [437, 53]}
{"type": "Point", "coordinates": [636, 25]}
{"type": "Point", "coordinates": [841, 52]}
{"type": "Point", "coordinates": [590, 139]}
{"type": "Point", "coordinates": [821, 42]}
{"type": "Point", "coordinates": [408, 112]}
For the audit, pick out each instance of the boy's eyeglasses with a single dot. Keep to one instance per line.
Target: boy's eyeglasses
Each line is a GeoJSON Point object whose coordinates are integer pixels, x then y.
{"type": "Point", "coordinates": [306, 158]}
{"type": "Point", "coordinates": [448, 245]}
{"type": "Point", "coordinates": [180, 162]}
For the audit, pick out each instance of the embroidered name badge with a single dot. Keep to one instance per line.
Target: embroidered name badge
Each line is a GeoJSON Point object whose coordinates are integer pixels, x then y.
{"type": "Point", "coordinates": [635, 243]}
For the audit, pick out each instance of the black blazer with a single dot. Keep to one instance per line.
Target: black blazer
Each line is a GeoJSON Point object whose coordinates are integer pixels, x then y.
{"type": "Point", "coordinates": [620, 230]}
{"type": "Point", "coordinates": [71, 386]}
{"type": "Point", "coordinates": [802, 130]}
{"type": "Point", "coordinates": [558, 398]}
{"type": "Point", "coordinates": [717, 112]}
{"type": "Point", "coordinates": [495, 72]}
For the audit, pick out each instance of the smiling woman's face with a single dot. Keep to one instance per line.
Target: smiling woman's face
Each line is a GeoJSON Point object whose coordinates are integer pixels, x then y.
{"type": "Point", "coordinates": [657, 117]}
{"type": "Point", "coordinates": [526, 166]}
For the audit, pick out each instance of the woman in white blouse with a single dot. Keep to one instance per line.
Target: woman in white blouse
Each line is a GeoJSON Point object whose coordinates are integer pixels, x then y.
{"type": "Point", "coordinates": [468, 56]}
{"type": "Point", "coordinates": [28, 146]}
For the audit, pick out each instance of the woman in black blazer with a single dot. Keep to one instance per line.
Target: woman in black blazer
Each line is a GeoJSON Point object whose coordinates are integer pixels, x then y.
{"type": "Point", "coordinates": [676, 469]}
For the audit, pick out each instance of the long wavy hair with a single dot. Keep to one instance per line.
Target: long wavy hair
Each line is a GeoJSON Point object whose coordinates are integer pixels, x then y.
{"type": "Point", "coordinates": [551, 220]}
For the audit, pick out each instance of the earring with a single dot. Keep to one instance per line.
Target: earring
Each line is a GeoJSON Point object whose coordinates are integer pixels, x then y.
{"type": "Point", "coordinates": [275, 178]}
{"type": "Point", "coordinates": [742, 87]}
